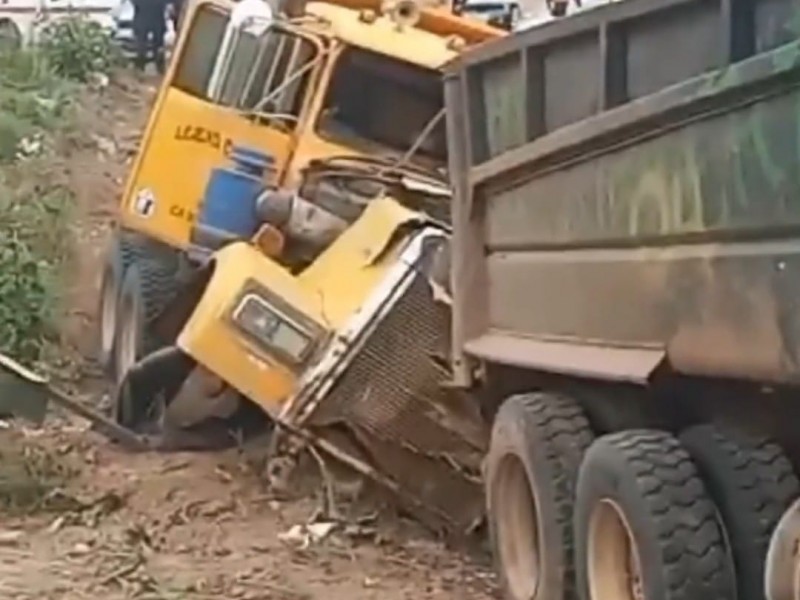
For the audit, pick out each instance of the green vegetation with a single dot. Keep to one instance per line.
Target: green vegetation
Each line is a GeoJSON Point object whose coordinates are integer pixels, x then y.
{"type": "Point", "coordinates": [77, 49]}
{"type": "Point", "coordinates": [39, 88]}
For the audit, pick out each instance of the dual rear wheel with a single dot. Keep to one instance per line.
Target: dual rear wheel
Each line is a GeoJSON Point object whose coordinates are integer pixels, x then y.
{"type": "Point", "coordinates": [632, 515]}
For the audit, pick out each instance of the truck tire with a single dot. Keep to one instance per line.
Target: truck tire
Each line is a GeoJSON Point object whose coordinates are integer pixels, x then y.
{"type": "Point", "coordinates": [536, 449]}
{"type": "Point", "coordinates": [645, 526]}
{"type": "Point", "coordinates": [122, 251]}
{"type": "Point", "coordinates": [147, 287]}
{"type": "Point", "coordinates": [752, 483]}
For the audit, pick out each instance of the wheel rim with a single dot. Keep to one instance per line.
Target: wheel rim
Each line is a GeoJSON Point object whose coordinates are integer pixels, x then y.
{"type": "Point", "coordinates": [127, 351]}
{"type": "Point", "coordinates": [517, 528]}
{"type": "Point", "coordinates": [615, 571]}
{"type": "Point", "coordinates": [782, 577]}
{"type": "Point", "coordinates": [108, 312]}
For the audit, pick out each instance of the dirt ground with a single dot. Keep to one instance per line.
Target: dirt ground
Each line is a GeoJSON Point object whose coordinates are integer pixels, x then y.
{"type": "Point", "coordinates": [93, 521]}
{"type": "Point", "coordinates": [195, 526]}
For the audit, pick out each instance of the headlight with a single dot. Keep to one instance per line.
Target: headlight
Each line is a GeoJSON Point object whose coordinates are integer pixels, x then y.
{"type": "Point", "coordinates": [272, 328]}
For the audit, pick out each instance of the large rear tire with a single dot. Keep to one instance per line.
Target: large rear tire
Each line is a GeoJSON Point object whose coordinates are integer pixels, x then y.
{"type": "Point", "coordinates": [752, 483]}
{"type": "Point", "coordinates": [645, 527]}
{"type": "Point", "coordinates": [122, 252]}
{"type": "Point", "coordinates": [536, 449]}
{"type": "Point", "coordinates": [147, 287]}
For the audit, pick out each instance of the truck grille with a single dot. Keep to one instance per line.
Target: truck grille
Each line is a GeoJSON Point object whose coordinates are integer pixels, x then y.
{"type": "Point", "coordinates": [394, 413]}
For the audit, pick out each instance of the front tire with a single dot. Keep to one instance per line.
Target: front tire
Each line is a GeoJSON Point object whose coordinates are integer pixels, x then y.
{"type": "Point", "coordinates": [645, 527]}
{"type": "Point", "coordinates": [537, 445]}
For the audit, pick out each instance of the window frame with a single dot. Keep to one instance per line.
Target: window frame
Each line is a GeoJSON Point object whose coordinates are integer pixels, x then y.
{"type": "Point", "coordinates": [301, 99]}
{"type": "Point", "coordinates": [325, 90]}
{"type": "Point", "coordinates": [293, 64]}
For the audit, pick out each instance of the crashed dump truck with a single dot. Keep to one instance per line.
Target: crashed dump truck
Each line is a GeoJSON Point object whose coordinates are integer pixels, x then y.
{"type": "Point", "coordinates": [614, 290]}
{"type": "Point", "coordinates": [293, 97]}
{"type": "Point", "coordinates": [625, 245]}
{"type": "Point", "coordinates": [302, 266]}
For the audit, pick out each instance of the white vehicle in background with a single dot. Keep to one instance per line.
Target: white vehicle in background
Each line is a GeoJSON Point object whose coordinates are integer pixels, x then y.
{"type": "Point", "coordinates": [517, 15]}
{"type": "Point", "coordinates": [20, 20]}
{"type": "Point", "coordinates": [536, 12]}
{"type": "Point", "coordinates": [500, 13]}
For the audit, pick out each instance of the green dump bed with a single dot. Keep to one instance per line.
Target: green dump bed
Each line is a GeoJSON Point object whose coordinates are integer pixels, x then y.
{"type": "Point", "coordinates": [627, 191]}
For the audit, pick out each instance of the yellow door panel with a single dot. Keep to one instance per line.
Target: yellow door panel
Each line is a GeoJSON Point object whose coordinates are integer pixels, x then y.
{"type": "Point", "coordinates": [189, 138]}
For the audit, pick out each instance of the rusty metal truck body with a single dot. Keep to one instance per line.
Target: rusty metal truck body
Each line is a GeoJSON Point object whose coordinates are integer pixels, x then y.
{"type": "Point", "coordinates": [624, 280]}
{"type": "Point", "coordinates": [640, 193]}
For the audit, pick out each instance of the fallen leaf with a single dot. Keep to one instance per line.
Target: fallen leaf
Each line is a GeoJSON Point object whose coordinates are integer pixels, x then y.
{"type": "Point", "coordinates": [319, 531]}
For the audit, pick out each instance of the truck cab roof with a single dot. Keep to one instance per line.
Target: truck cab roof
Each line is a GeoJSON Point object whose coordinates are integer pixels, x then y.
{"type": "Point", "coordinates": [380, 34]}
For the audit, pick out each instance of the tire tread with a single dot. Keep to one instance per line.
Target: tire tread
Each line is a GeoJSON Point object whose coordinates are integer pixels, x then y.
{"type": "Point", "coordinates": [690, 539]}
{"type": "Point", "coordinates": [564, 434]}
{"type": "Point", "coordinates": [753, 483]}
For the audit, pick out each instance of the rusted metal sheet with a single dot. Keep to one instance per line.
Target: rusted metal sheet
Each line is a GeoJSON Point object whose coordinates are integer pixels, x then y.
{"type": "Point", "coordinates": [662, 214]}
{"type": "Point", "coordinates": [632, 365]}
{"type": "Point", "coordinates": [720, 309]}
{"type": "Point", "coordinates": [679, 229]}
{"type": "Point", "coordinates": [574, 69]}
{"type": "Point", "coordinates": [391, 402]}
{"type": "Point", "coordinates": [728, 175]}
{"type": "Point", "coordinates": [390, 410]}
{"type": "Point", "coordinates": [468, 267]}
{"type": "Point", "coordinates": [503, 97]}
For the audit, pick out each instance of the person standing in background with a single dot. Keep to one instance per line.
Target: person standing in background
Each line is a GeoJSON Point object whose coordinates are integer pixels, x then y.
{"type": "Point", "coordinates": [149, 28]}
{"type": "Point", "coordinates": [176, 13]}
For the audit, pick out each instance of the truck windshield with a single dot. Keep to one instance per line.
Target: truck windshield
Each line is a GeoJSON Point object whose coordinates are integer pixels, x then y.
{"type": "Point", "coordinates": [267, 73]}
{"type": "Point", "coordinates": [378, 102]}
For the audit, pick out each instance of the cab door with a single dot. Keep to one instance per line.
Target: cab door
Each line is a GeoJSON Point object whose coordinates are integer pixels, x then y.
{"type": "Point", "coordinates": [257, 96]}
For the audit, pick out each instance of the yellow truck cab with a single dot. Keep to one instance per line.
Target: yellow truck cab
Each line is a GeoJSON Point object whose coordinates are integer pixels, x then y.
{"type": "Point", "coordinates": [351, 78]}
{"type": "Point", "coordinates": [324, 315]}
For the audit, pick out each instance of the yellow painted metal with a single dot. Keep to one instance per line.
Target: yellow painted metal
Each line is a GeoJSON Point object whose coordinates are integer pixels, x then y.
{"type": "Point", "coordinates": [329, 292]}
{"type": "Point", "coordinates": [175, 169]}
{"type": "Point", "coordinates": [187, 136]}
{"type": "Point", "coordinates": [410, 44]}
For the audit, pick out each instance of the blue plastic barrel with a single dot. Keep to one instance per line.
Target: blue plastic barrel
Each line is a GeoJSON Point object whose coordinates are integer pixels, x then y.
{"type": "Point", "coordinates": [228, 209]}
{"type": "Point", "coordinates": [251, 161]}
